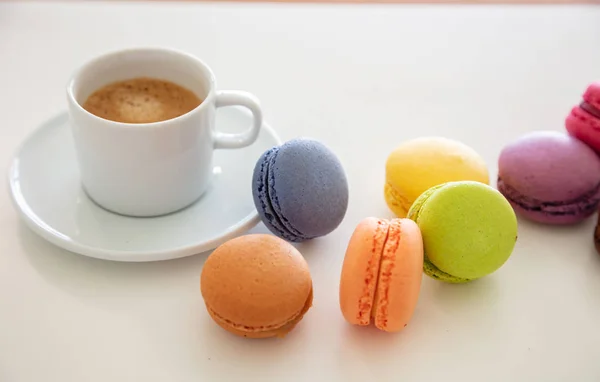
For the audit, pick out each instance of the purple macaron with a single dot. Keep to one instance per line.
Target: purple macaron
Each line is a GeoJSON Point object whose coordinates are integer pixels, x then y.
{"type": "Point", "coordinates": [300, 190]}
{"type": "Point", "coordinates": [550, 177]}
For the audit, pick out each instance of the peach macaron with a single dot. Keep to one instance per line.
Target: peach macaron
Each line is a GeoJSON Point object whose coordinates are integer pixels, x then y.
{"type": "Point", "coordinates": [256, 286]}
{"type": "Point", "coordinates": [381, 273]}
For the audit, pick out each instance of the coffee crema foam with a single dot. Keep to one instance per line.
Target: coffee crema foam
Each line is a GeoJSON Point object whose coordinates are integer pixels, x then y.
{"type": "Point", "coordinates": [141, 100]}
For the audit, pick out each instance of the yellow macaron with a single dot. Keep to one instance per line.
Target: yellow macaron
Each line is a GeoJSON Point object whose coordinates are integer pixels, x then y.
{"type": "Point", "coordinates": [419, 164]}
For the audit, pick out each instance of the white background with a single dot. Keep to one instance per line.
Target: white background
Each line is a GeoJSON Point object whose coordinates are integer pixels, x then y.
{"type": "Point", "coordinates": [362, 79]}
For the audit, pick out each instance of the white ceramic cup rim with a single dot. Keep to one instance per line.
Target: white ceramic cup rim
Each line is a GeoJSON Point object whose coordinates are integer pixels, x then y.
{"type": "Point", "coordinates": [206, 71]}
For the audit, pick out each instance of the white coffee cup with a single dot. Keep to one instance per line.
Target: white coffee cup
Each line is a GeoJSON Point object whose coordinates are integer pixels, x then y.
{"type": "Point", "coordinates": [152, 169]}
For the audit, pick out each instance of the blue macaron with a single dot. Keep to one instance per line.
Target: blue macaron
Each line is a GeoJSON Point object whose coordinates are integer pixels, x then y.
{"type": "Point", "coordinates": [300, 190]}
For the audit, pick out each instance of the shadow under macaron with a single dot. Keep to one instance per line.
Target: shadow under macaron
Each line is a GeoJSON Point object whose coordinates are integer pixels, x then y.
{"type": "Point", "coordinates": [450, 297]}
{"type": "Point", "coordinates": [235, 352]}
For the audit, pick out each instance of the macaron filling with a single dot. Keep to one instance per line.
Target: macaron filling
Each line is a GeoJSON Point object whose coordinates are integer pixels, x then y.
{"type": "Point", "coordinates": [580, 121]}
{"type": "Point", "coordinates": [374, 303]}
{"type": "Point", "coordinates": [366, 301]}
{"type": "Point", "coordinates": [396, 198]}
{"type": "Point", "coordinates": [583, 204]}
{"type": "Point", "coordinates": [431, 270]}
{"type": "Point", "coordinates": [590, 109]}
{"type": "Point", "coordinates": [287, 228]}
{"type": "Point", "coordinates": [263, 198]}
{"type": "Point", "coordinates": [379, 312]}
{"type": "Point", "coordinates": [282, 327]}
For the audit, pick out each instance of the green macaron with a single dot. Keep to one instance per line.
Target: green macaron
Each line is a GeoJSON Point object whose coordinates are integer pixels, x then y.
{"type": "Point", "coordinates": [469, 230]}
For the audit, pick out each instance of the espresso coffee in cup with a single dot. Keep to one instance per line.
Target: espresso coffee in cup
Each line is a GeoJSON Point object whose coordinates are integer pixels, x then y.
{"type": "Point", "coordinates": [144, 129]}
{"type": "Point", "coordinates": [141, 100]}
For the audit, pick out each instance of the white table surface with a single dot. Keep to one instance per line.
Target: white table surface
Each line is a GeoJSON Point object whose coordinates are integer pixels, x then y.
{"type": "Point", "coordinates": [361, 79]}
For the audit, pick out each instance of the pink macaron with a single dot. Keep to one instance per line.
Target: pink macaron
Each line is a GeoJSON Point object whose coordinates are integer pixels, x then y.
{"type": "Point", "coordinates": [584, 120]}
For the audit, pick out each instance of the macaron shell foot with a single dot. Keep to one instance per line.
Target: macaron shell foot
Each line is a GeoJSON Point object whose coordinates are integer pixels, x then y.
{"type": "Point", "coordinates": [584, 127]}
{"type": "Point", "coordinates": [558, 213]}
{"type": "Point", "coordinates": [260, 194]}
{"type": "Point", "coordinates": [398, 203]}
{"type": "Point", "coordinates": [279, 332]}
{"type": "Point", "coordinates": [360, 270]}
{"type": "Point", "coordinates": [241, 333]}
{"type": "Point", "coordinates": [291, 233]}
{"type": "Point", "coordinates": [545, 218]}
{"type": "Point", "coordinates": [400, 276]}
{"type": "Point", "coordinates": [432, 271]}
{"type": "Point", "coordinates": [415, 208]}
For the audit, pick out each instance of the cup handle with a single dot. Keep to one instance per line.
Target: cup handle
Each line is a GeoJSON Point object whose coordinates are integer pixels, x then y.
{"type": "Point", "coordinates": [238, 98]}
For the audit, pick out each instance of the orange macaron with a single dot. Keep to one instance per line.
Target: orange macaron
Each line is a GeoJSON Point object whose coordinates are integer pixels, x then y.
{"type": "Point", "coordinates": [256, 286]}
{"type": "Point", "coordinates": [381, 273]}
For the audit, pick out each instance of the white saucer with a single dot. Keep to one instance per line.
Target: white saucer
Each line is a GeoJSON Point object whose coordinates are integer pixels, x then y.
{"type": "Point", "coordinates": [45, 188]}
